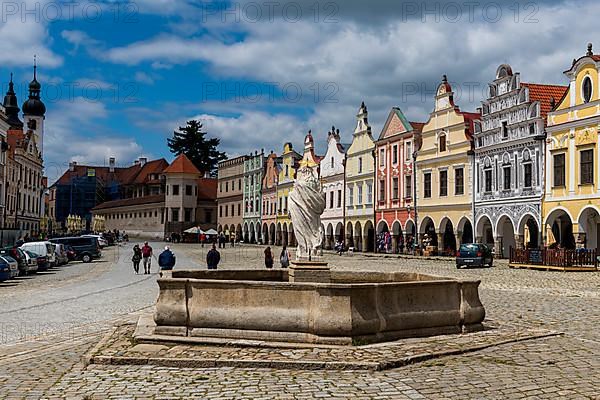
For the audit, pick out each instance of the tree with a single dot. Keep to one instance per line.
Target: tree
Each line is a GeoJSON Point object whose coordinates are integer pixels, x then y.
{"type": "Point", "coordinates": [191, 140]}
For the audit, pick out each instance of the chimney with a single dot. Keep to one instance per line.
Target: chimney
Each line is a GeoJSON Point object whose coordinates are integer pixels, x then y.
{"type": "Point", "coordinates": [143, 161]}
{"type": "Point", "coordinates": [111, 164]}
{"type": "Point", "coordinates": [136, 162]}
{"type": "Point", "coordinates": [72, 165]}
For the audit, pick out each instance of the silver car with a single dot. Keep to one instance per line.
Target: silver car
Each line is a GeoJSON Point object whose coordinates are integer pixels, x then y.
{"type": "Point", "coordinates": [31, 259]}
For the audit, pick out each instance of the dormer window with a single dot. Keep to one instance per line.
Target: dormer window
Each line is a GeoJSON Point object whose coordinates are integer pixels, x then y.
{"type": "Point", "coordinates": [442, 142]}
{"type": "Point", "coordinates": [586, 89]}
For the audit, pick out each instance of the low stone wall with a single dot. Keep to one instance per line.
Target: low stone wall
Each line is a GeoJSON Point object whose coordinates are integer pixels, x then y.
{"type": "Point", "coordinates": [261, 305]}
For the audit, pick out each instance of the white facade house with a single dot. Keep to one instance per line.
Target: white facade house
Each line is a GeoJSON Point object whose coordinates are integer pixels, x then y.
{"type": "Point", "coordinates": [509, 162]}
{"type": "Point", "coordinates": [332, 179]}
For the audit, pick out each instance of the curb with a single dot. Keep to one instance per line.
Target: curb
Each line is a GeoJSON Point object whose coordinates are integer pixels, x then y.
{"type": "Point", "coordinates": [299, 365]}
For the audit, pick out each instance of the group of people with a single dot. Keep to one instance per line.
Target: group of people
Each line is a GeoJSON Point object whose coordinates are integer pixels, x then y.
{"type": "Point", "coordinates": [166, 259]}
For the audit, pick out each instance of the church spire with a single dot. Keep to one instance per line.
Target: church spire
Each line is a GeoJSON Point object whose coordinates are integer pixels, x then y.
{"type": "Point", "coordinates": [33, 105]}
{"type": "Point", "coordinates": [11, 106]}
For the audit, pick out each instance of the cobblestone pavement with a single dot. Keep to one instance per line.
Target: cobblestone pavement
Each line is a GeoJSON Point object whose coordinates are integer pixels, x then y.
{"type": "Point", "coordinates": [564, 367]}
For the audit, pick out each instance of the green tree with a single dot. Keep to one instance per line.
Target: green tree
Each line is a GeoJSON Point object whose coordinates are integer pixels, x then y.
{"type": "Point", "coordinates": [191, 140]}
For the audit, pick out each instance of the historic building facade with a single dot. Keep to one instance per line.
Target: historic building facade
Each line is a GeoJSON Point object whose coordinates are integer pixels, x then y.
{"type": "Point", "coordinates": [445, 164]}
{"type": "Point", "coordinates": [162, 199]}
{"type": "Point", "coordinates": [394, 208]}
{"type": "Point", "coordinates": [24, 186]}
{"type": "Point", "coordinates": [332, 170]}
{"type": "Point", "coordinates": [254, 167]}
{"type": "Point", "coordinates": [269, 198]}
{"type": "Point", "coordinates": [509, 162]}
{"type": "Point", "coordinates": [360, 169]}
{"type": "Point", "coordinates": [285, 184]}
{"type": "Point", "coordinates": [230, 196]}
{"type": "Point", "coordinates": [572, 201]}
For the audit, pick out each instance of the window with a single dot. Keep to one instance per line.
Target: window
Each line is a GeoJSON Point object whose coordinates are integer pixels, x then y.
{"type": "Point", "coordinates": [408, 147]}
{"type": "Point", "coordinates": [395, 188]}
{"type": "Point", "coordinates": [587, 89]}
{"type": "Point", "coordinates": [442, 142]}
{"type": "Point", "coordinates": [359, 199]}
{"type": "Point", "coordinates": [507, 172]}
{"type": "Point", "coordinates": [188, 190]}
{"type": "Point", "coordinates": [239, 184]}
{"type": "Point", "coordinates": [488, 180]}
{"type": "Point", "coordinates": [188, 214]}
{"type": "Point", "coordinates": [331, 199]}
{"type": "Point", "coordinates": [443, 183]}
{"type": "Point", "coordinates": [587, 166]}
{"type": "Point", "coordinates": [504, 129]}
{"type": "Point", "coordinates": [369, 193]}
{"type": "Point", "coordinates": [395, 154]}
{"type": "Point", "coordinates": [408, 186]}
{"type": "Point", "coordinates": [532, 129]}
{"type": "Point", "coordinates": [350, 196]}
{"type": "Point", "coordinates": [459, 181]}
{"type": "Point", "coordinates": [381, 157]}
{"type": "Point", "coordinates": [360, 165]}
{"type": "Point", "coordinates": [559, 170]}
{"type": "Point", "coordinates": [174, 214]}
{"type": "Point", "coordinates": [381, 190]}
{"type": "Point", "coordinates": [528, 178]}
{"type": "Point", "coordinates": [239, 209]}
{"type": "Point", "coordinates": [220, 211]}
{"type": "Point", "coordinates": [226, 187]}
{"type": "Point", "coordinates": [427, 184]}
{"type": "Point", "coordinates": [226, 211]}
{"type": "Point", "coordinates": [175, 190]}
{"type": "Point", "coordinates": [339, 203]}
{"type": "Point", "coordinates": [332, 162]}
{"type": "Point", "coordinates": [287, 170]}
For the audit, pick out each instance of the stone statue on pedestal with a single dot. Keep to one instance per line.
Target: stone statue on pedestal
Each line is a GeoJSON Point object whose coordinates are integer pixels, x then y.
{"type": "Point", "coordinates": [307, 203]}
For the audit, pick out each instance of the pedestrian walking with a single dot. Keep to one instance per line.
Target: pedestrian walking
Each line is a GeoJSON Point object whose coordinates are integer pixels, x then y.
{"type": "Point", "coordinates": [147, 257]}
{"type": "Point", "coordinates": [284, 258]}
{"type": "Point", "coordinates": [166, 259]}
{"type": "Point", "coordinates": [137, 257]}
{"type": "Point", "coordinates": [268, 258]}
{"type": "Point", "coordinates": [213, 257]}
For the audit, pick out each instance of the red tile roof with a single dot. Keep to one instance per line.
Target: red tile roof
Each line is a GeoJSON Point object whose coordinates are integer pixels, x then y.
{"type": "Point", "coordinates": [182, 165]}
{"type": "Point", "coordinates": [157, 198]}
{"type": "Point", "coordinates": [151, 167]}
{"type": "Point", "coordinates": [417, 126]}
{"type": "Point", "coordinates": [544, 94]}
{"type": "Point", "coordinates": [207, 188]}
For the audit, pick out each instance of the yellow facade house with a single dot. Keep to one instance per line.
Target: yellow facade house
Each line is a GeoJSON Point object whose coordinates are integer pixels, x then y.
{"type": "Point", "coordinates": [287, 175]}
{"type": "Point", "coordinates": [444, 173]}
{"type": "Point", "coordinates": [572, 199]}
{"type": "Point", "coordinates": [360, 169]}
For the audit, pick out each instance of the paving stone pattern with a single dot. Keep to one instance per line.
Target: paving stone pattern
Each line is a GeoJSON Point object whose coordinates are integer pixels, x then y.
{"type": "Point", "coordinates": [563, 367]}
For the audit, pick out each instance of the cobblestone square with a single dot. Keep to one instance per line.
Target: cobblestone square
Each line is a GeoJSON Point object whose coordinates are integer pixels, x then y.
{"type": "Point", "coordinates": [74, 306]}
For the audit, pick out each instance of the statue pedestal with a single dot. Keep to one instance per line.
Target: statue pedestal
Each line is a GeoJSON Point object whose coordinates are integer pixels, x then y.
{"type": "Point", "coordinates": [309, 271]}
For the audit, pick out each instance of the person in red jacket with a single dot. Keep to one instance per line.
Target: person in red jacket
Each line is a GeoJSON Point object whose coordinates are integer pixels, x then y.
{"type": "Point", "coordinates": [147, 257]}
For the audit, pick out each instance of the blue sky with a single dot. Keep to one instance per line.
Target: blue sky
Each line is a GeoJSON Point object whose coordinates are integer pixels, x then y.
{"type": "Point", "coordinates": [119, 77]}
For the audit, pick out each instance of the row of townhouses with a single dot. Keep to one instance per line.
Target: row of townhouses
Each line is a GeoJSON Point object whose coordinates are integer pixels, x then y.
{"type": "Point", "coordinates": [23, 186]}
{"type": "Point", "coordinates": [521, 172]}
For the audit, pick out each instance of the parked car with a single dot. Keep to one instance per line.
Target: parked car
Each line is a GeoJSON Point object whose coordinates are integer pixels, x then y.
{"type": "Point", "coordinates": [18, 255]}
{"type": "Point", "coordinates": [13, 264]}
{"type": "Point", "coordinates": [31, 259]}
{"type": "Point", "coordinates": [86, 247]}
{"type": "Point", "coordinates": [42, 262]}
{"type": "Point", "coordinates": [101, 241]}
{"type": "Point", "coordinates": [45, 249]}
{"type": "Point", "coordinates": [474, 254]}
{"type": "Point", "coordinates": [4, 271]}
{"type": "Point", "coordinates": [61, 254]}
{"type": "Point", "coordinates": [109, 237]}
{"type": "Point", "coordinates": [71, 253]}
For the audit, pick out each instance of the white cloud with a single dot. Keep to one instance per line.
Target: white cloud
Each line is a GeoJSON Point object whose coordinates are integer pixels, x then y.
{"type": "Point", "coordinates": [143, 77]}
{"type": "Point", "coordinates": [75, 132]}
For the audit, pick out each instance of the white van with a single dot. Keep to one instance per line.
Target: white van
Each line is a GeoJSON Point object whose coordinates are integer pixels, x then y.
{"type": "Point", "coordinates": [44, 249]}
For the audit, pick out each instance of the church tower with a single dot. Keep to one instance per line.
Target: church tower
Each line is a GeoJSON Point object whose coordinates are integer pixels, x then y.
{"type": "Point", "coordinates": [11, 106]}
{"type": "Point", "coordinates": [34, 111]}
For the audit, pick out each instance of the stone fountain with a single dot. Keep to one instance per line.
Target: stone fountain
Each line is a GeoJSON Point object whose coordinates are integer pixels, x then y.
{"type": "Point", "coordinates": [311, 303]}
